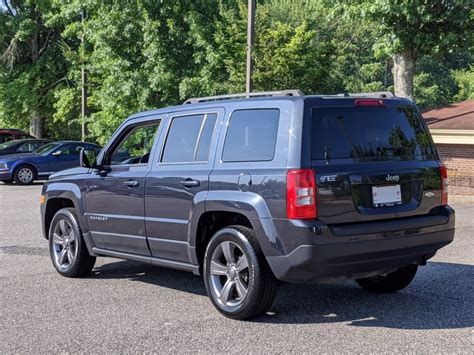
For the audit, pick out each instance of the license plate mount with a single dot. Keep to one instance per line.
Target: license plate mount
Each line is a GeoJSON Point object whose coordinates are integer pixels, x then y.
{"type": "Point", "coordinates": [386, 196]}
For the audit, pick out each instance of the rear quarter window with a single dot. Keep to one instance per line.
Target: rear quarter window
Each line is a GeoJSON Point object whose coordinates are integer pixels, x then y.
{"type": "Point", "coordinates": [251, 135]}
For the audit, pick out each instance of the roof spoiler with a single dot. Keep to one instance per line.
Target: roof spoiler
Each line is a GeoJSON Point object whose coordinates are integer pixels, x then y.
{"type": "Point", "coordinates": [376, 94]}
{"type": "Point", "coordinates": [246, 95]}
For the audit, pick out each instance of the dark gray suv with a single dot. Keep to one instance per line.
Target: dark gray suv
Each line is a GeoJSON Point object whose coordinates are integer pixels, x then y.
{"type": "Point", "coordinates": [254, 188]}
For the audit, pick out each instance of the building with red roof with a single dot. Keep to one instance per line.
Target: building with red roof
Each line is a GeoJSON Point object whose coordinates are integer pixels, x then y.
{"type": "Point", "coordinates": [452, 128]}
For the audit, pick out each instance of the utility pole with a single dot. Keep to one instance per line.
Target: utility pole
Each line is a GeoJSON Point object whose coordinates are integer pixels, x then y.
{"type": "Point", "coordinates": [250, 40]}
{"type": "Point", "coordinates": [83, 82]}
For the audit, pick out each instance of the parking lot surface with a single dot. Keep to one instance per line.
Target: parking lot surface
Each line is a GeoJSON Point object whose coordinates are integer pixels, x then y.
{"type": "Point", "coordinates": [127, 306]}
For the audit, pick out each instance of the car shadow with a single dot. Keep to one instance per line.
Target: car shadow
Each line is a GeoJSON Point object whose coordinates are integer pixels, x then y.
{"type": "Point", "coordinates": [440, 297]}
{"type": "Point", "coordinates": [136, 271]}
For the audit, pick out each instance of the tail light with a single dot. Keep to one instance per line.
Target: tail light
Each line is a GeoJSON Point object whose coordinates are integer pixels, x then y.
{"type": "Point", "coordinates": [444, 184]}
{"type": "Point", "coordinates": [301, 194]}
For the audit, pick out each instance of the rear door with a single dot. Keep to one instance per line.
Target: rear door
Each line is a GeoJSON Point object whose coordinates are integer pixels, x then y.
{"type": "Point", "coordinates": [373, 160]}
{"type": "Point", "coordinates": [179, 180]}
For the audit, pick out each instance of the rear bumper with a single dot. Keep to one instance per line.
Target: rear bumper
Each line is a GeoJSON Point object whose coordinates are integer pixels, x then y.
{"type": "Point", "coordinates": [363, 255]}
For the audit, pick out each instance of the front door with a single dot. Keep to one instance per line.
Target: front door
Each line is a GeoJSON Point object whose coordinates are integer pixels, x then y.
{"type": "Point", "coordinates": [179, 180]}
{"type": "Point", "coordinates": [115, 198]}
{"type": "Point", "coordinates": [65, 157]}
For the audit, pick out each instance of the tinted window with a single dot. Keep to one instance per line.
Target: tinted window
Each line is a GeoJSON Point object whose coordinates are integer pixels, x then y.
{"type": "Point", "coordinates": [70, 149]}
{"type": "Point", "coordinates": [202, 153]}
{"type": "Point", "coordinates": [27, 147]}
{"type": "Point", "coordinates": [5, 137]}
{"type": "Point", "coordinates": [94, 147]}
{"type": "Point", "coordinates": [251, 135]}
{"type": "Point", "coordinates": [360, 132]}
{"type": "Point", "coordinates": [182, 138]}
{"type": "Point", "coordinates": [47, 148]}
{"type": "Point", "coordinates": [8, 145]}
{"type": "Point", "coordinates": [136, 146]}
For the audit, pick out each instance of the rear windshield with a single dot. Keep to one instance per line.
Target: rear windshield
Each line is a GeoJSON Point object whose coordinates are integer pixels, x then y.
{"type": "Point", "coordinates": [366, 132]}
{"type": "Point", "coordinates": [8, 144]}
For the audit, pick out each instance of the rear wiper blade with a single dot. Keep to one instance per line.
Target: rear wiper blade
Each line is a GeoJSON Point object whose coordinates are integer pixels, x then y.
{"type": "Point", "coordinates": [382, 148]}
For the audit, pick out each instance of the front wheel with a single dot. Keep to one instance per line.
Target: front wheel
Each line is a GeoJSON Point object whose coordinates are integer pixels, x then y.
{"type": "Point", "coordinates": [237, 277]}
{"type": "Point", "coordinates": [67, 247]}
{"type": "Point", "coordinates": [391, 282]}
{"type": "Point", "coordinates": [24, 175]}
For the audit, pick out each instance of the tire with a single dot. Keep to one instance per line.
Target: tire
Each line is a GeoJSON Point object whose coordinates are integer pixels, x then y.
{"type": "Point", "coordinates": [24, 175]}
{"type": "Point", "coordinates": [391, 282]}
{"type": "Point", "coordinates": [247, 277]}
{"type": "Point", "coordinates": [66, 243]}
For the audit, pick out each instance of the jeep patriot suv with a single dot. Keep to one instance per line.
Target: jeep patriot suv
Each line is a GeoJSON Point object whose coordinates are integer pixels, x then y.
{"type": "Point", "coordinates": [250, 189]}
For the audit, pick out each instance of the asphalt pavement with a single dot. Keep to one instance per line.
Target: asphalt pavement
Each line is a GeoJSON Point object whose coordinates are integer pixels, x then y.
{"type": "Point", "coordinates": [127, 306]}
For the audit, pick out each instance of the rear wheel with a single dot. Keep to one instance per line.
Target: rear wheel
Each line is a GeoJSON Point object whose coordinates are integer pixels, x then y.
{"type": "Point", "coordinates": [67, 247]}
{"type": "Point", "coordinates": [238, 279]}
{"type": "Point", "coordinates": [391, 282]}
{"type": "Point", "coordinates": [24, 175]}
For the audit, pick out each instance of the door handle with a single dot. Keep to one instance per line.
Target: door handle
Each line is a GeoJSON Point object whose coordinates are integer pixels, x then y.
{"type": "Point", "coordinates": [190, 183]}
{"type": "Point", "coordinates": [131, 183]}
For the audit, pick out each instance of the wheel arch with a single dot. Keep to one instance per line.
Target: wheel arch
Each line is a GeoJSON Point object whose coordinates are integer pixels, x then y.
{"type": "Point", "coordinates": [53, 205]}
{"type": "Point", "coordinates": [58, 196]}
{"type": "Point", "coordinates": [224, 208]}
{"type": "Point", "coordinates": [25, 163]}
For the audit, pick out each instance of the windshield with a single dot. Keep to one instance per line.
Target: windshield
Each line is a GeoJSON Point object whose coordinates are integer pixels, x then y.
{"type": "Point", "coordinates": [8, 144]}
{"type": "Point", "coordinates": [46, 149]}
{"type": "Point", "coordinates": [363, 132]}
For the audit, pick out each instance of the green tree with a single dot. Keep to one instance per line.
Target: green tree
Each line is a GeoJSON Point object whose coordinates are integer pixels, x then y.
{"type": "Point", "coordinates": [32, 64]}
{"type": "Point", "coordinates": [413, 28]}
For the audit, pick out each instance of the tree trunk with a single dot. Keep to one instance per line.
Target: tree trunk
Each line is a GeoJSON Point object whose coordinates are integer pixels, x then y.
{"type": "Point", "coordinates": [37, 127]}
{"type": "Point", "coordinates": [403, 68]}
{"type": "Point", "coordinates": [36, 122]}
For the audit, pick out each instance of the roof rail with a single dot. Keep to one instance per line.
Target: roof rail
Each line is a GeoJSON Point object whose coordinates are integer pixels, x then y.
{"type": "Point", "coordinates": [196, 100]}
{"type": "Point", "coordinates": [382, 94]}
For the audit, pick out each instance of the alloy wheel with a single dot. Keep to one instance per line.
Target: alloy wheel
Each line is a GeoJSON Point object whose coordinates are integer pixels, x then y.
{"type": "Point", "coordinates": [64, 244]}
{"type": "Point", "coordinates": [229, 274]}
{"type": "Point", "coordinates": [25, 175]}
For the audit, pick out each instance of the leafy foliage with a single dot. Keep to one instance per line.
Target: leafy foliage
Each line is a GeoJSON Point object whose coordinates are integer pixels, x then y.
{"type": "Point", "coordinates": [144, 54]}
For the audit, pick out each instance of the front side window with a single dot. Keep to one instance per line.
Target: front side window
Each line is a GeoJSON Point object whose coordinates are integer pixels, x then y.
{"type": "Point", "coordinates": [189, 139]}
{"type": "Point", "coordinates": [70, 149]}
{"type": "Point", "coordinates": [47, 148]}
{"type": "Point", "coordinates": [135, 147]}
{"type": "Point", "coordinates": [251, 135]}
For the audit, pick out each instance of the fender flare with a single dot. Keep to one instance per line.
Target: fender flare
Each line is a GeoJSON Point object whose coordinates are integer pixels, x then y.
{"type": "Point", "coordinates": [248, 204]}
{"type": "Point", "coordinates": [69, 191]}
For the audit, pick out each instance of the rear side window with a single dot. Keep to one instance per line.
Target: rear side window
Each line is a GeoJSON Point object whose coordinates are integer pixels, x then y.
{"type": "Point", "coordinates": [202, 152]}
{"type": "Point", "coordinates": [251, 135]}
{"type": "Point", "coordinates": [189, 139]}
{"type": "Point", "coordinates": [364, 132]}
{"type": "Point", "coordinates": [28, 147]}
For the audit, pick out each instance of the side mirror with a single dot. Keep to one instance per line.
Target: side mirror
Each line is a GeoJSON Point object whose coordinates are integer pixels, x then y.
{"type": "Point", "coordinates": [57, 153]}
{"type": "Point", "coordinates": [88, 158]}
